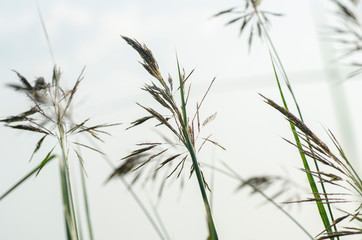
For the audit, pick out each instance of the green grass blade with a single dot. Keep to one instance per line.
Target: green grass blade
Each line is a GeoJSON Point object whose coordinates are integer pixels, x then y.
{"type": "Point", "coordinates": [277, 62]}
{"type": "Point", "coordinates": [190, 148]}
{"type": "Point", "coordinates": [32, 172]}
{"type": "Point", "coordinates": [314, 188]}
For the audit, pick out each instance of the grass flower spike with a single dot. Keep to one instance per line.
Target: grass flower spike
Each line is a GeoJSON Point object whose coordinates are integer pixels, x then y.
{"type": "Point", "coordinates": [176, 121]}
{"type": "Point", "coordinates": [50, 116]}
{"type": "Point", "coordinates": [338, 172]}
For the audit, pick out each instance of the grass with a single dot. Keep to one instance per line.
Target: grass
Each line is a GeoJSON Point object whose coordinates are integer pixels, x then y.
{"type": "Point", "coordinates": [49, 117]}
{"type": "Point", "coordinates": [334, 183]}
{"type": "Point", "coordinates": [182, 129]}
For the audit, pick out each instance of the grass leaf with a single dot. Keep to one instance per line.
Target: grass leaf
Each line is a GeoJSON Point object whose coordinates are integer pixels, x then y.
{"type": "Point", "coordinates": [32, 172]}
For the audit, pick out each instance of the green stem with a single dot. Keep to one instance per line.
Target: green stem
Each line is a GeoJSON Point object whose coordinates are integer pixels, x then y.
{"type": "Point", "coordinates": [86, 205]}
{"type": "Point", "coordinates": [67, 218]}
{"type": "Point", "coordinates": [190, 147]}
{"type": "Point", "coordinates": [67, 190]}
{"type": "Point", "coordinates": [315, 191]}
{"type": "Point", "coordinates": [273, 53]}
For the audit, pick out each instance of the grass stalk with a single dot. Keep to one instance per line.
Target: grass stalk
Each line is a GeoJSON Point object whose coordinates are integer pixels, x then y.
{"type": "Point", "coordinates": [277, 62]}
{"type": "Point", "coordinates": [46, 34]}
{"type": "Point", "coordinates": [190, 148]}
{"type": "Point", "coordinates": [313, 186]}
{"type": "Point", "coordinates": [69, 210]}
{"type": "Point", "coordinates": [238, 177]}
{"type": "Point", "coordinates": [160, 222]}
{"type": "Point", "coordinates": [140, 204]}
{"type": "Point", "coordinates": [212, 184]}
{"type": "Point", "coordinates": [67, 217]}
{"type": "Point", "coordinates": [86, 204]}
{"type": "Point", "coordinates": [133, 194]}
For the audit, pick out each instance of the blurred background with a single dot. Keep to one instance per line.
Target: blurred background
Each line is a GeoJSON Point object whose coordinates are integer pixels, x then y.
{"type": "Point", "coordinates": [87, 33]}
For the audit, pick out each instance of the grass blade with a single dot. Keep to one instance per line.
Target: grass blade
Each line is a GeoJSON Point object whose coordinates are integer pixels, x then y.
{"type": "Point", "coordinates": [32, 172]}
{"type": "Point", "coordinates": [313, 186]}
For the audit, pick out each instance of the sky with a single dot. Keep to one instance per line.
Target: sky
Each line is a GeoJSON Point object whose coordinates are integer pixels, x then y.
{"type": "Point", "coordinates": [88, 34]}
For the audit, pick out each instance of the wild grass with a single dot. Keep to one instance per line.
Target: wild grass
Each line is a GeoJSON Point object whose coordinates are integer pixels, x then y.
{"type": "Point", "coordinates": [50, 117]}
{"type": "Point", "coordinates": [335, 185]}
{"type": "Point", "coordinates": [176, 121]}
{"type": "Point", "coordinates": [259, 19]}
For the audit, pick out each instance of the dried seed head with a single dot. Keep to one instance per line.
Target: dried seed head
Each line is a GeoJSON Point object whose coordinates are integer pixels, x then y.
{"type": "Point", "coordinates": [251, 17]}
{"type": "Point", "coordinates": [50, 112]}
{"type": "Point", "coordinates": [174, 120]}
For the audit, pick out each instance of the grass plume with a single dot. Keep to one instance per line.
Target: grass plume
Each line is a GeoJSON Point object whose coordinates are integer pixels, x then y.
{"type": "Point", "coordinates": [340, 173]}
{"type": "Point", "coordinates": [176, 121]}
{"type": "Point", "coordinates": [50, 117]}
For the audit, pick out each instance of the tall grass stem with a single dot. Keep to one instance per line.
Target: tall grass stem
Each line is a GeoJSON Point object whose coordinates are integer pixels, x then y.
{"type": "Point", "coordinates": [190, 148]}
{"type": "Point", "coordinates": [277, 62]}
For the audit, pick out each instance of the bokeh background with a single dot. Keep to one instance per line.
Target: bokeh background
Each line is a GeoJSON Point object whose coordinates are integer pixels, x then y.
{"type": "Point", "coordinates": [87, 33]}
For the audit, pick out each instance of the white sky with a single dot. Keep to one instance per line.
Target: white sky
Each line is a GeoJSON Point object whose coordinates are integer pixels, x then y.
{"type": "Point", "coordinates": [87, 33]}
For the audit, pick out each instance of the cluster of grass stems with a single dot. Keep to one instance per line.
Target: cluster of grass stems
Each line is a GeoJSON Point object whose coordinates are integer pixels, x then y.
{"type": "Point", "coordinates": [50, 117]}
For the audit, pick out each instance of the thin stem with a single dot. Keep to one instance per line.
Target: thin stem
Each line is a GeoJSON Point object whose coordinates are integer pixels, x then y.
{"type": "Point", "coordinates": [133, 194]}
{"type": "Point", "coordinates": [190, 148]}
{"type": "Point", "coordinates": [85, 194]}
{"type": "Point", "coordinates": [86, 204]}
{"type": "Point", "coordinates": [275, 59]}
{"type": "Point", "coordinates": [67, 190]}
{"type": "Point", "coordinates": [212, 185]}
{"type": "Point", "coordinates": [46, 34]}
{"type": "Point", "coordinates": [237, 176]}
{"type": "Point", "coordinates": [140, 204]}
{"type": "Point", "coordinates": [315, 191]}
{"type": "Point", "coordinates": [160, 222]}
{"type": "Point", "coordinates": [67, 217]}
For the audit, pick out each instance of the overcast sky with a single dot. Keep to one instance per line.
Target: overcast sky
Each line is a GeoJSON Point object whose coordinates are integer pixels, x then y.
{"type": "Point", "coordinates": [87, 33]}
